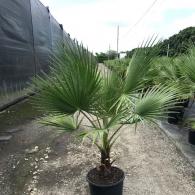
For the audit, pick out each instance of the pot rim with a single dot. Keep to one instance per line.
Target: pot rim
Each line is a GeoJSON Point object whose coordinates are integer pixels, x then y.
{"type": "Point", "coordinates": [106, 185]}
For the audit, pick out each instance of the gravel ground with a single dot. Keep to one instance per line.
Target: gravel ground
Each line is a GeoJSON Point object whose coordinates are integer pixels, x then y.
{"type": "Point", "coordinates": [41, 161]}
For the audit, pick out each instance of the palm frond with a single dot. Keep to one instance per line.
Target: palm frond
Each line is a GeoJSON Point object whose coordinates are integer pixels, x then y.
{"type": "Point", "coordinates": [189, 65]}
{"type": "Point", "coordinates": [111, 89]}
{"type": "Point", "coordinates": [62, 122]}
{"type": "Point", "coordinates": [154, 104]}
{"type": "Point", "coordinates": [94, 135]}
{"type": "Point", "coordinates": [73, 84]}
{"type": "Point", "coordinates": [171, 73]}
{"type": "Point", "coordinates": [139, 66]}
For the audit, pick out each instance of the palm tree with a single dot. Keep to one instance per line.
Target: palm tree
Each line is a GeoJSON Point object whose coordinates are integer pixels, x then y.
{"type": "Point", "coordinates": [171, 71]}
{"type": "Point", "coordinates": [76, 89]}
{"type": "Point", "coordinates": [189, 66]}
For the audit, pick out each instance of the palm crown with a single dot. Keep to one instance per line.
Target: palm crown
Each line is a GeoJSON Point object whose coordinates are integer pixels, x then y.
{"type": "Point", "coordinates": [76, 88]}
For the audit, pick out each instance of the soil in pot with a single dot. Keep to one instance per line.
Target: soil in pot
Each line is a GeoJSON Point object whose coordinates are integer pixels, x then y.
{"type": "Point", "coordinates": [191, 136]}
{"type": "Point", "coordinates": [110, 184]}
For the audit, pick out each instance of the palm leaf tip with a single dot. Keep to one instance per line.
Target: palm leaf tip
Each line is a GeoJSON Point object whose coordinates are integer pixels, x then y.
{"type": "Point", "coordinates": [62, 122]}
{"type": "Point", "coordinates": [139, 66]}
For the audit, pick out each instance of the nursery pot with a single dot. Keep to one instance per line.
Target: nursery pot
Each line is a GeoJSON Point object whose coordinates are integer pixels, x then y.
{"type": "Point", "coordinates": [191, 136]}
{"type": "Point", "coordinates": [111, 188]}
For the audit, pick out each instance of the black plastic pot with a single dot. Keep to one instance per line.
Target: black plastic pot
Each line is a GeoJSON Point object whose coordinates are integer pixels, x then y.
{"type": "Point", "coordinates": [111, 189]}
{"type": "Point", "coordinates": [191, 136]}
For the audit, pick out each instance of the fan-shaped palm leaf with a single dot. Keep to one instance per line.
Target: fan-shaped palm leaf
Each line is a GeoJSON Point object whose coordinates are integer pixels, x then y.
{"type": "Point", "coordinates": [154, 104]}
{"type": "Point", "coordinates": [139, 66]}
{"type": "Point", "coordinates": [189, 65]}
{"type": "Point", "coordinates": [73, 84]}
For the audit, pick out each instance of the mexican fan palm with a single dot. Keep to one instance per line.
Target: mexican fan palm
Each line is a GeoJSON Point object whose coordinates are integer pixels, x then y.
{"type": "Point", "coordinates": [189, 67]}
{"type": "Point", "coordinates": [171, 71]}
{"type": "Point", "coordinates": [75, 89]}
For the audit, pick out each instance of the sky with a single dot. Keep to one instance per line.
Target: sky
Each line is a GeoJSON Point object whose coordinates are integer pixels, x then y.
{"type": "Point", "coordinates": [94, 22]}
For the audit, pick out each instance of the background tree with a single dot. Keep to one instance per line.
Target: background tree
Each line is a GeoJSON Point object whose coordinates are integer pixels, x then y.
{"type": "Point", "coordinates": [109, 55]}
{"type": "Point", "coordinates": [101, 57]}
{"type": "Point", "coordinates": [178, 44]}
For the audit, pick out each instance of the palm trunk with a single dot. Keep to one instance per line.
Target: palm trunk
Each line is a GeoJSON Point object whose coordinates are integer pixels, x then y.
{"type": "Point", "coordinates": [105, 159]}
{"type": "Point", "coordinates": [105, 168]}
{"type": "Point", "coordinates": [105, 152]}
